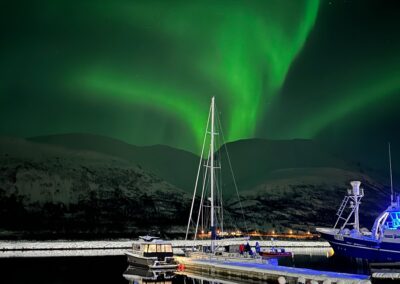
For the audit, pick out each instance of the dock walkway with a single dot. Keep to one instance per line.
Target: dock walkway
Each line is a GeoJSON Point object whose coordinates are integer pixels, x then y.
{"type": "Point", "coordinates": [265, 272]}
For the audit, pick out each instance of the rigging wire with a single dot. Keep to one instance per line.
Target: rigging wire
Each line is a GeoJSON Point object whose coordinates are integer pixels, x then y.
{"type": "Point", "coordinates": [391, 175]}
{"type": "Point", "coordinates": [202, 197]}
{"type": "Point", "coordinates": [197, 177]}
{"type": "Point", "coordinates": [231, 170]}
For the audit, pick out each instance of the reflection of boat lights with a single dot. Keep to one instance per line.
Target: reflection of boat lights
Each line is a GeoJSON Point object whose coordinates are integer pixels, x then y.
{"type": "Point", "coordinates": [330, 252]}
{"type": "Point", "coordinates": [290, 232]}
{"type": "Point", "coordinates": [202, 231]}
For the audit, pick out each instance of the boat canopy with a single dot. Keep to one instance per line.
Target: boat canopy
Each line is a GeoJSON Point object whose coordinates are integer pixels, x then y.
{"type": "Point", "coordinates": [393, 220]}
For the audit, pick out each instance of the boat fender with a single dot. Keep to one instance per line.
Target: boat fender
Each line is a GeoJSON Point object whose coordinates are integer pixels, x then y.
{"type": "Point", "coordinates": [181, 267]}
{"type": "Point", "coordinates": [281, 280]}
{"type": "Point", "coordinates": [301, 280]}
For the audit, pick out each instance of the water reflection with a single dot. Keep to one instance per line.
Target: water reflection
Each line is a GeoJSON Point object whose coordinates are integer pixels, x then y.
{"type": "Point", "coordinates": [325, 260]}
{"type": "Point", "coordinates": [313, 258]}
{"type": "Point", "coordinates": [138, 275]}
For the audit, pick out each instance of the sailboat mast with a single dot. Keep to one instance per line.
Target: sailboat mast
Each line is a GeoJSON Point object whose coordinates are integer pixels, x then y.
{"type": "Point", "coordinates": [391, 175]}
{"type": "Point", "coordinates": [212, 174]}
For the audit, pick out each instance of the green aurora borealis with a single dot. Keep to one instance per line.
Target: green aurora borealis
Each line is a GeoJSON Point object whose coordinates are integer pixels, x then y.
{"type": "Point", "coordinates": [144, 71]}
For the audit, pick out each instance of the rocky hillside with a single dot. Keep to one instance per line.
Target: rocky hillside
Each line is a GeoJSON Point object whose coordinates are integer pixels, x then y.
{"type": "Point", "coordinates": [166, 162]}
{"type": "Point", "coordinates": [46, 188]}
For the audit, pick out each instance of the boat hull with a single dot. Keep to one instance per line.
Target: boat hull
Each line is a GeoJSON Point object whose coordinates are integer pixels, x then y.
{"type": "Point", "coordinates": [150, 262]}
{"type": "Point", "coordinates": [361, 248]}
{"type": "Point", "coordinates": [275, 254]}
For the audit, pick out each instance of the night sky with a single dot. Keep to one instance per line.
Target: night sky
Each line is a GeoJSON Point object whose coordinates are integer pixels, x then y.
{"type": "Point", "coordinates": [144, 71]}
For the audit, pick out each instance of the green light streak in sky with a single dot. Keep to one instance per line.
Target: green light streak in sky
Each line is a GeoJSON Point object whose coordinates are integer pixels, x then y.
{"type": "Point", "coordinates": [354, 99]}
{"type": "Point", "coordinates": [153, 96]}
{"type": "Point", "coordinates": [241, 51]}
{"type": "Point", "coordinates": [255, 50]}
{"type": "Point", "coordinates": [144, 71]}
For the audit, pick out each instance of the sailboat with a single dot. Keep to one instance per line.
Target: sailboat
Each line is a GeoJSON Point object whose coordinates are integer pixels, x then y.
{"type": "Point", "coordinates": [210, 167]}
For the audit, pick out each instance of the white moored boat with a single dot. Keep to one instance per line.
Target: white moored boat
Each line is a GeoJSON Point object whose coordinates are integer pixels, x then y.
{"type": "Point", "coordinates": [152, 253]}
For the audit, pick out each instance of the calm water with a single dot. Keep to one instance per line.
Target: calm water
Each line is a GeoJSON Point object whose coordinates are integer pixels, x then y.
{"type": "Point", "coordinates": [110, 269]}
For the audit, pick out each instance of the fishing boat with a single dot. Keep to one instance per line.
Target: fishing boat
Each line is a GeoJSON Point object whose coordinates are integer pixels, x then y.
{"type": "Point", "coordinates": [382, 244]}
{"type": "Point", "coordinates": [151, 253]}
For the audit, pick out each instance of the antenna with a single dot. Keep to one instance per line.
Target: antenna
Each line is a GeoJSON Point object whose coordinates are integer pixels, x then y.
{"type": "Point", "coordinates": [391, 175]}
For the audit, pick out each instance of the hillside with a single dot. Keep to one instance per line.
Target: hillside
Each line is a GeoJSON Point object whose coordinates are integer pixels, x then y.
{"type": "Point", "coordinates": [252, 159]}
{"type": "Point", "coordinates": [303, 198]}
{"type": "Point", "coordinates": [175, 166]}
{"type": "Point", "coordinates": [51, 189]}
{"type": "Point", "coordinates": [79, 184]}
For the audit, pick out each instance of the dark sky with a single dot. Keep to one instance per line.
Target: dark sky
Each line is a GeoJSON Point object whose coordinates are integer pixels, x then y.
{"type": "Point", "coordinates": [144, 71]}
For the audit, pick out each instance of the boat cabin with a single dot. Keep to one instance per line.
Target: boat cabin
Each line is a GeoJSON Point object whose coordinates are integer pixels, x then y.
{"type": "Point", "coordinates": [155, 248]}
{"type": "Point", "coordinates": [387, 225]}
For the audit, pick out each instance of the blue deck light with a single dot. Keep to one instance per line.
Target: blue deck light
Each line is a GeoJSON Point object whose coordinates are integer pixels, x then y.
{"type": "Point", "coordinates": [394, 221]}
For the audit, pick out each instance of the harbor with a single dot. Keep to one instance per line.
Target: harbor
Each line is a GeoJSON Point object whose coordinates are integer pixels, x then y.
{"type": "Point", "coordinates": [246, 269]}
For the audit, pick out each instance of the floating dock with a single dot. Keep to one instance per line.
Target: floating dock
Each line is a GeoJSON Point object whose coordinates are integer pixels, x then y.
{"type": "Point", "coordinates": [385, 272]}
{"type": "Point", "coordinates": [126, 244]}
{"type": "Point", "coordinates": [62, 248]}
{"type": "Point", "coordinates": [252, 271]}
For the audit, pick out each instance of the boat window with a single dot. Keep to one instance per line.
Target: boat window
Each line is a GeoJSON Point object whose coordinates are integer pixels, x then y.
{"type": "Point", "coordinates": [145, 247]}
{"type": "Point", "coordinates": [394, 221]}
{"type": "Point", "coordinates": [160, 248]}
{"type": "Point", "coordinates": [152, 248]}
{"type": "Point", "coordinates": [167, 248]}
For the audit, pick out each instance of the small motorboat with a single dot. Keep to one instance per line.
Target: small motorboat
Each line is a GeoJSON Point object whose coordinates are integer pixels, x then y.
{"type": "Point", "coordinates": [274, 252]}
{"type": "Point", "coordinates": [151, 253]}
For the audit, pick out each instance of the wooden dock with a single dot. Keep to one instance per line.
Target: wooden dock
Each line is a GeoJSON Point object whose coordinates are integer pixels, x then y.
{"type": "Point", "coordinates": [258, 271]}
{"type": "Point", "coordinates": [385, 272]}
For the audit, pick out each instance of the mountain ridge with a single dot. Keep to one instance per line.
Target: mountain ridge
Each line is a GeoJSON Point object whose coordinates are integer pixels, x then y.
{"type": "Point", "coordinates": [283, 184]}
